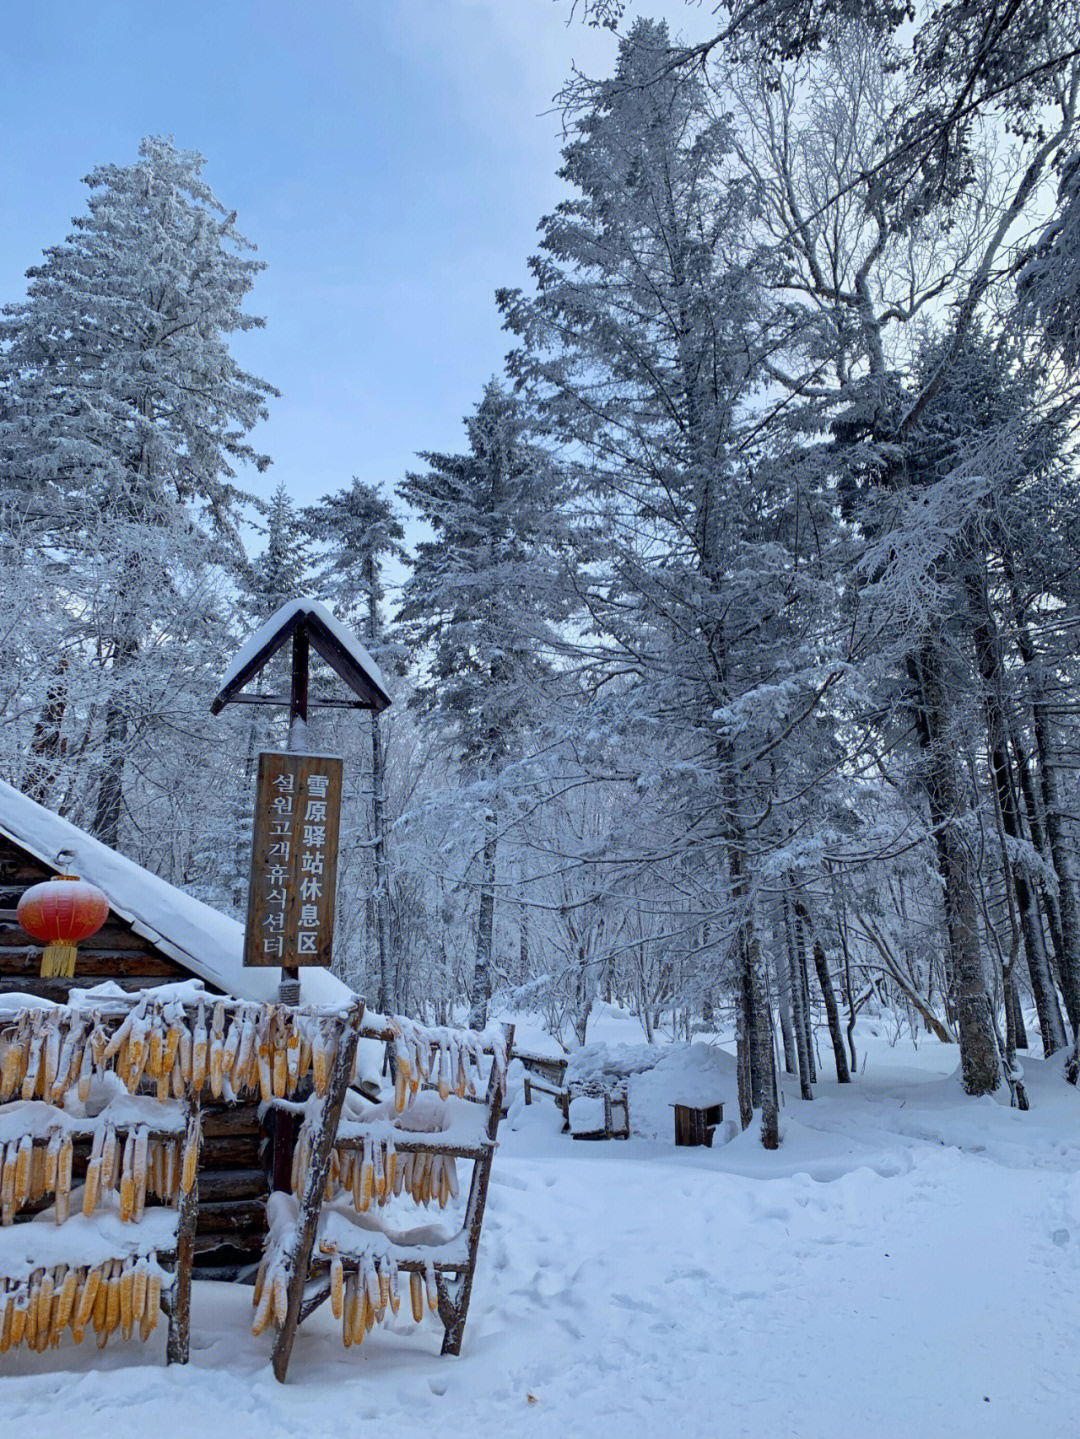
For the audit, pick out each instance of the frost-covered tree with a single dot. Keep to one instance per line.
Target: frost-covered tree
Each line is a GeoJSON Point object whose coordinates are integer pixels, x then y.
{"type": "Point", "coordinates": [124, 417]}
{"type": "Point", "coordinates": [641, 348]}
{"type": "Point", "coordinates": [361, 532]}
{"type": "Point", "coordinates": [282, 570]}
{"type": "Point", "coordinates": [1049, 278]}
{"type": "Point", "coordinates": [863, 242]}
{"type": "Point", "coordinates": [480, 606]}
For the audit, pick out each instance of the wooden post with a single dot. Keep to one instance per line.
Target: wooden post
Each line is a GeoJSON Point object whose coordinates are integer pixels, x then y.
{"type": "Point", "coordinates": [454, 1307]}
{"type": "Point", "coordinates": [178, 1346]}
{"type": "Point", "coordinates": [289, 988]}
{"type": "Point", "coordinates": [289, 984]}
{"type": "Point", "coordinates": [315, 1187]}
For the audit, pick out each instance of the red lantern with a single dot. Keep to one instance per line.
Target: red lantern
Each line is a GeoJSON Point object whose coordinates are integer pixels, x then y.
{"type": "Point", "coordinates": [60, 913]}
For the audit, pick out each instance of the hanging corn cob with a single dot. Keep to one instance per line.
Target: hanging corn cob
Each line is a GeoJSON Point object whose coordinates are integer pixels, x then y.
{"type": "Point", "coordinates": [363, 1286]}
{"type": "Point", "coordinates": [119, 1294]}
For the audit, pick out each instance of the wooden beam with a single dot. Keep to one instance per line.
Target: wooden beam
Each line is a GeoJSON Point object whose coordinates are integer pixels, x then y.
{"type": "Point", "coordinates": [178, 1346]}
{"type": "Point", "coordinates": [454, 1306]}
{"type": "Point", "coordinates": [59, 989]}
{"type": "Point", "coordinates": [369, 694]}
{"type": "Point", "coordinates": [315, 1188]}
{"type": "Point", "coordinates": [95, 964]}
{"type": "Point", "coordinates": [256, 663]}
{"type": "Point", "coordinates": [425, 1144]}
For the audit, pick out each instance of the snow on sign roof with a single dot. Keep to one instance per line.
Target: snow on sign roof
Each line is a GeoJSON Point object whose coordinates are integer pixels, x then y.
{"type": "Point", "coordinates": [204, 941]}
{"type": "Point", "coordinates": [334, 641]}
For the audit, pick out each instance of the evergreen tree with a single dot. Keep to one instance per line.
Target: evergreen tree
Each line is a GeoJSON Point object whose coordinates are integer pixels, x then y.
{"type": "Point", "coordinates": [123, 414]}
{"type": "Point", "coordinates": [282, 571]}
{"type": "Point", "coordinates": [641, 346]}
{"type": "Point", "coordinates": [483, 600]}
{"type": "Point", "coordinates": [361, 531]}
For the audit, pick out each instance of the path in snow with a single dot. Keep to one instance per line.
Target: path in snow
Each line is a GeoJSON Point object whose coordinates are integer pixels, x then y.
{"type": "Point", "coordinates": [923, 1283]}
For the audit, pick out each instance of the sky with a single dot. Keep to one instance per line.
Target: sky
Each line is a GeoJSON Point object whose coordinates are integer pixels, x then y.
{"type": "Point", "coordinates": [390, 159]}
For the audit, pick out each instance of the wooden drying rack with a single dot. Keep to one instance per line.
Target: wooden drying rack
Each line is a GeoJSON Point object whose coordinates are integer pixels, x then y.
{"type": "Point", "coordinates": [176, 1296]}
{"type": "Point", "coordinates": [453, 1298]}
{"type": "Point", "coordinates": [453, 1275]}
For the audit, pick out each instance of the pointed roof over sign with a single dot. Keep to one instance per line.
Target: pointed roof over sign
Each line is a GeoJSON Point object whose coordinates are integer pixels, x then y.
{"type": "Point", "coordinates": [337, 644]}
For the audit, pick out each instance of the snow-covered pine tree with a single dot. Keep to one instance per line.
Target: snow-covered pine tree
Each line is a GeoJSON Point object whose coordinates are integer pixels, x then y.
{"type": "Point", "coordinates": [281, 571]}
{"type": "Point", "coordinates": [124, 416]}
{"type": "Point", "coordinates": [360, 530]}
{"type": "Point", "coordinates": [482, 603]}
{"type": "Point", "coordinates": [640, 347]}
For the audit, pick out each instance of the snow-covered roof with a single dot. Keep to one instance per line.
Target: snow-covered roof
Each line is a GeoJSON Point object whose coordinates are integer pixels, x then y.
{"type": "Point", "coordinates": [280, 626]}
{"type": "Point", "coordinates": [204, 941]}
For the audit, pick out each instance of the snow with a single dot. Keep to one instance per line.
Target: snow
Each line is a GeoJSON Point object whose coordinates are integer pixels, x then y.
{"type": "Point", "coordinates": [907, 1264]}
{"type": "Point", "coordinates": [122, 1110]}
{"type": "Point", "coordinates": [450, 1122]}
{"type": "Point", "coordinates": [42, 1243]}
{"type": "Point", "coordinates": [204, 941]}
{"type": "Point", "coordinates": [341, 1229]}
{"type": "Point", "coordinates": [586, 1114]}
{"type": "Point", "coordinates": [698, 1075]}
{"type": "Point", "coordinates": [281, 617]}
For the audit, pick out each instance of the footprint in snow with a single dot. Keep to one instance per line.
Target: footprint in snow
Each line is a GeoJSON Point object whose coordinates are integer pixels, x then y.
{"type": "Point", "coordinates": [628, 1301]}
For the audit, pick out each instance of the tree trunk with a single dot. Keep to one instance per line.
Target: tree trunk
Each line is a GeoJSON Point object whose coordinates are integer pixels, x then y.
{"type": "Point", "coordinates": [47, 743]}
{"type": "Point", "coordinates": [388, 1000]}
{"type": "Point", "coordinates": [978, 1044]}
{"type": "Point", "coordinates": [485, 930]}
{"type": "Point", "coordinates": [106, 822]}
{"type": "Point", "coordinates": [754, 1046]}
{"type": "Point", "coordinates": [998, 729]}
{"type": "Point", "coordinates": [828, 994]}
{"type": "Point", "coordinates": [803, 974]}
{"type": "Point", "coordinates": [798, 1002]}
{"type": "Point", "coordinates": [1062, 852]}
{"type": "Point", "coordinates": [742, 1050]}
{"type": "Point", "coordinates": [1036, 822]}
{"type": "Point", "coordinates": [849, 994]}
{"type": "Point", "coordinates": [1016, 1018]}
{"type": "Point", "coordinates": [763, 1052]}
{"type": "Point", "coordinates": [523, 951]}
{"type": "Point", "coordinates": [787, 1028]}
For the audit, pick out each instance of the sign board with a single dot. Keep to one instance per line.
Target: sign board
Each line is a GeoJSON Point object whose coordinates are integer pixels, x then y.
{"type": "Point", "coordinates": [294, 849]}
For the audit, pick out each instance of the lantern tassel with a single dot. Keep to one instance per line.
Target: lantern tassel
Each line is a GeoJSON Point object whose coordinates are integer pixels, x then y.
{"type": "Point", "coordinates": [58, 960]}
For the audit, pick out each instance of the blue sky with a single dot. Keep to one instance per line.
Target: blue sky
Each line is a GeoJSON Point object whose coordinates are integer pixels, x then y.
{"type": "Point", "coordinates": [390, 158]}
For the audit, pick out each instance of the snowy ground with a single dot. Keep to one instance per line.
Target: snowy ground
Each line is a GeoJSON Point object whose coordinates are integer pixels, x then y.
{"type": "Point", "coordinates": [908, 1264]}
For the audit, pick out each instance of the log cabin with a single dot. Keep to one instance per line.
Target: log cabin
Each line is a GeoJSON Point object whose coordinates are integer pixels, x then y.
{"type": "Point", "coordinates": [155, 934]}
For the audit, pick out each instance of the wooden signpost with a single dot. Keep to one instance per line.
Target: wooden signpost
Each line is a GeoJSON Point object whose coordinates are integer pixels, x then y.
{"type": "Point", "coordinates": [290, 919]}
{"type": "Point", "coordinates": [294, 850]}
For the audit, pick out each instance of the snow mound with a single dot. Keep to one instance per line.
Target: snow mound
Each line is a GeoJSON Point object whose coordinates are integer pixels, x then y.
{"type": "Point", "coordinates": [695, 1074]}
{"type": "Point", "coordinates": [597, 1062]}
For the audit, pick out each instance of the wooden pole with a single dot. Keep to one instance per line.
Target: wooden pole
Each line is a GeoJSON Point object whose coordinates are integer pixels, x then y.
{"type": "Point", "coordinates": [289, 988]}
{"type": "Point", "coordinates": [454, 1307]}
{"type": "Point", "coordinates": [178, 1347]}
{"type": "Point", "coordinates": [289, 984]}
{"type": "Point", "coordinates": [311, 1201]}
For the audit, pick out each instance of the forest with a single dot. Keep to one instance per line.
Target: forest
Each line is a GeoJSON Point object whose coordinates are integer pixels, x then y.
{"type": "Point", "coordinates": [732, 652]}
